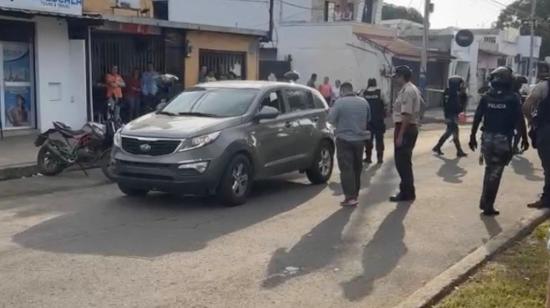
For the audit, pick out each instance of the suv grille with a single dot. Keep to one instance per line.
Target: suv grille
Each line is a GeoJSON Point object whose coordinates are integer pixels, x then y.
{"type": "Point", "coordinates": [149, 147]}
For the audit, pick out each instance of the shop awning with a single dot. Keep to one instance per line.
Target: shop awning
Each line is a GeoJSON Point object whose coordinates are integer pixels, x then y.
{"type": "Point", "coordinates": [182, 25]}
{"type": "Point", "coordinates": [21, 13]}
{"type": "Point", "coordinates": [399, 47]}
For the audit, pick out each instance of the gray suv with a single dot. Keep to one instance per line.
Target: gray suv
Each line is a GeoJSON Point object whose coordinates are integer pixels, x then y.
{"type": "Point", "coordinates": [216, 138]}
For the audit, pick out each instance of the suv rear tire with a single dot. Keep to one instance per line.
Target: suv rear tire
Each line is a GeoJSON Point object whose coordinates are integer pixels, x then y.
{"type": "Point", "coordinates": [132, 192]}
{"type": "Point", "coordinates": [321, 169]}
{"type": "Point", "coordinates": [236, 181]}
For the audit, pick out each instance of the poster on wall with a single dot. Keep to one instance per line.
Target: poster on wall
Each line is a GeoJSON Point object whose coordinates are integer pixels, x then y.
{"type": "Point", "coordinates": [73, 7]}
{"type": "Point", "coordinates": [17, 107]}
{"type": "Point", "coordinates": [17, 62]}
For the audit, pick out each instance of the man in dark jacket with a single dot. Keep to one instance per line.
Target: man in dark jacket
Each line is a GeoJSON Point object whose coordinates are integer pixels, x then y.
{"type": "Point", "coordinates": [454, 103]}
{"type": "Point", "coordinates": [500, 111]}
{"type": "Point", "coordinates": [377, 125]}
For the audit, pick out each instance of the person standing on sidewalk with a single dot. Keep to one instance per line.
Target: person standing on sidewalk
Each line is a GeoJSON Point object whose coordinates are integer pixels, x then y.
{"type": "Point", "coordinates": [350, 115]}
{"type": "Point", "coordinates": [326, 90]}
{"type": "Point", "coordinates": [377, 125]}
{"type": "Point", "coordinates": [115, 84]}
{"type": "Point", "coordinates": [538, 103]}
{"type": "Point", "coordinates": [500, 110]}
{"type": "Point", "coordinates": [406, 114]}
{"type": "Point", "coordinates": [149, 87]}
{"type": "Point", "coordinates": [312, 82]}
{"type": "Point", "coordinates": [454, 103]}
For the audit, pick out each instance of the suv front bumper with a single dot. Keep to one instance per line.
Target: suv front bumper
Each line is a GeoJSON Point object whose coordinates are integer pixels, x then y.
{"type": "Point", "coordinates": [168, 173]}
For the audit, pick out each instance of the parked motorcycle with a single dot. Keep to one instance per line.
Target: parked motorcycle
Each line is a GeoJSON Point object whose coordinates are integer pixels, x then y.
{"type": "Point", "coordinates": [62, 147]}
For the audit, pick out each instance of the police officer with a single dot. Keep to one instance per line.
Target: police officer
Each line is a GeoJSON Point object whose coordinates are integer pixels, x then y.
{"type": "Point", "coordinates": [519, 81]}
{"type": "Point", "coordinates": [537, 111]}
{"type": "Point", "coordinates": [454, 103]}
{"type": "Point", "coordinates": [377, 125]}
{"type": "Point", "coordinates": [500, 110]}
{"type": "Point", "coordinates": [406, 114]}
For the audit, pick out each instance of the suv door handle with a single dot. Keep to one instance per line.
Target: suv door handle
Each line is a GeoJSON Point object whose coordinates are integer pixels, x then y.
{"type": "Point", "coordinates": [315, 119]}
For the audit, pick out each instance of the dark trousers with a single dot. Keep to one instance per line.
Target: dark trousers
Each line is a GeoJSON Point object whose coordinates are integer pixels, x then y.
{"type": "Point", "coordinates": [452, 130]}
{"type": "Point", "coordinates": [403, 160]}
{"type": "Point", "coordinates": [497, 153]}
{"type": "Point", "coordinates": [378, 138]}
{"type": "Point", "coordinates": [543, 148]}
{"type": "Point", "coordinates": [350, 162]}
{"type": "Point", "coordinates": [149, 103]}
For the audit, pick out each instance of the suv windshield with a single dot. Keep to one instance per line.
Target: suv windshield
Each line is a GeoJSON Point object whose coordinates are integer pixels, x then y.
{"type": "Point", "coordinates": [222, 103]}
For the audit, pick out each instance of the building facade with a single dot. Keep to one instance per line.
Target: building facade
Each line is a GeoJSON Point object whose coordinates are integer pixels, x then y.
{"type": "Point", "coordinates": [42, 65]}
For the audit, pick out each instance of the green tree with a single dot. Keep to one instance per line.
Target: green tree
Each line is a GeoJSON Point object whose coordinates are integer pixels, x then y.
{"type": "Point", "coordinates": [390, 11]}
{"type": "Point", "coordinates": [516, 15]}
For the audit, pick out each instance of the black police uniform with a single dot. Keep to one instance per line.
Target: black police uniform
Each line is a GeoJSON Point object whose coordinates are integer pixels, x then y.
{"type": "Point", "coordinates": [542, 128]}
{"type": "Point", "coordinates": [500, 110]}
{"type": "Point", "coordinates": [521, 132]}
{"type": "Point", "coordinates": [377, 125]}
{"type": "Point", "coordinates": [454, 102]}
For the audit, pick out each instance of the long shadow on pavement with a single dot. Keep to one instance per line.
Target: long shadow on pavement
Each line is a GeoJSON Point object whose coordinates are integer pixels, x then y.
{"type": "Point", "coordinates": [524, 167]}
{"type": "Point", "coordinates": [156, 225]}
{"type": "Point", "coordinates": [314, 251]}
{"type": "Point", "coordinates": [450, 171]}
{"type": "Point", "coordinates": [381, 255]}
{"type": "Point", "coordinates": [323, 244]}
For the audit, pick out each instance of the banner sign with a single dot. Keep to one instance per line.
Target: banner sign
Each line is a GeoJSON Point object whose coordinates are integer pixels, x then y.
{"type": "Point", "coordinates": [72, 7]}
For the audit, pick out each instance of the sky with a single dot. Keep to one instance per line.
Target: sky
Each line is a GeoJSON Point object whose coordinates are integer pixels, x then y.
{"type": "Point", "coordinates": [459, 13]}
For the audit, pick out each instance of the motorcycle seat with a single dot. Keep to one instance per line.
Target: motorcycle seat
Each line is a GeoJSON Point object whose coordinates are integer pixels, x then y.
{"type": "Point", "coordinates": [72, 133]}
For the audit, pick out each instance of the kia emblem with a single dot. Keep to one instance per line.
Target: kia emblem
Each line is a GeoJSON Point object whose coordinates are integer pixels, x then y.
{"type": "Point", "coordinates": [145, 147]}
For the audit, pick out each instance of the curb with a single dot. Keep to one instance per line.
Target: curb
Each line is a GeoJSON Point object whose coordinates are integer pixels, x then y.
{"type": "Point", "coordinates": [18, 171]}
{"type": "Point", "coordinates": [442, 285]}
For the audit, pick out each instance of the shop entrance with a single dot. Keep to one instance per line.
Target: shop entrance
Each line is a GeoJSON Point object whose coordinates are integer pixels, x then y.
{"type": "Point", "coordinates": [17, 99]}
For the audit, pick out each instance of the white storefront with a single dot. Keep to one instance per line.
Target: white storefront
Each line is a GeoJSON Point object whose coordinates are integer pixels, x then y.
{"type": "Point", "coordinates": [42, 70]}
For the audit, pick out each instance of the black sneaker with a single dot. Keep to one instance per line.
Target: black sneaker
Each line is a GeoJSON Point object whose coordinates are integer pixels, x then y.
{"type": "Point", "coordinates": [437, 151]}
{"type": "Point", "coordinates": [367, 161]}
{"type": "Point", "coordinates": [491, 212]}
{"type": "Point", "coordinates": [402, 198]}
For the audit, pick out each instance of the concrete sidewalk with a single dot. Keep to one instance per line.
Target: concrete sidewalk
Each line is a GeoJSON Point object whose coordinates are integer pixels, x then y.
{"type": "Point", "coordinates": [17, 157]}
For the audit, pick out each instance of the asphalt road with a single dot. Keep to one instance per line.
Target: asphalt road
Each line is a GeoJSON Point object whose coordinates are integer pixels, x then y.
{"type": "Point", "coordinates": [73, 241]}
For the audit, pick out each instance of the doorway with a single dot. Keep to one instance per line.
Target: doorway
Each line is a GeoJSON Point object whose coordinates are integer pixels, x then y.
{"type": "Point", "coordinates": [17, 107]}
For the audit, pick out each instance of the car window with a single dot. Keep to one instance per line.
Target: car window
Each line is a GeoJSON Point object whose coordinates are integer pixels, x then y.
{"type": "Point", "coordinates": [215, 102]}
{"type": "Point", "coordinates": [274, 99]}
{"type": "Point", "coordinates": [299, 99]}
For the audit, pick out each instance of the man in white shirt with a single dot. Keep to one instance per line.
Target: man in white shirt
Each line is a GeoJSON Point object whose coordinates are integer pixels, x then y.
{"type": "Point", "coordinates": [406, 115]}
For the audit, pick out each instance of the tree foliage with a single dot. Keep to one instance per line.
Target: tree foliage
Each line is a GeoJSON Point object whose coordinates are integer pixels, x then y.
{"type": "Point", "coordinates": [390, 11]}
{"type": "Point", "coordinates": [517, 14]}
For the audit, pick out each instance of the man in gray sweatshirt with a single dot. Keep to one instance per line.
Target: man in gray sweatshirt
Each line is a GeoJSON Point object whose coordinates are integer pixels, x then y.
{"type": "Point", "coordinates": [350, 115]}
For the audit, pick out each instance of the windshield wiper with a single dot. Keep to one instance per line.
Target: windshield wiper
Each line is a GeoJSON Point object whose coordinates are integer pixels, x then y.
{"type": "Point", "coordinates": [168, 113]}
{"type": "Point", "coordinates": [197, 114]}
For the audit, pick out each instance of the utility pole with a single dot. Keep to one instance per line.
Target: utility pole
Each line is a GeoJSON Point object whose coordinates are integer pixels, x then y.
{"type": "Point", "coordinates": [532, 47]}
{"type": "Point", "coordinates": [424, 56]}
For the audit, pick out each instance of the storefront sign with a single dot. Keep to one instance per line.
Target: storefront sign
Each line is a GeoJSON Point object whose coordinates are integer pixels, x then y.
{"type": "Point", "coordinates": [72, 7]}
{"type": "Point", "coordinates": [130, 28]}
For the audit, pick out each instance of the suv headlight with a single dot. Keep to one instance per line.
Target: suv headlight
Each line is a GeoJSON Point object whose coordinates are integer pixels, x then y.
{"type": "Point", "coordinates": [117, 138]}
{"type": "Point", "coordinates": [198, 142]}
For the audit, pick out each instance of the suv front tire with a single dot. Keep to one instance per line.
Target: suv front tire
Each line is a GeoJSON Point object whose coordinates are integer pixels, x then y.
{"type": "Point", "coordinates": [321, 169]}
{"type": "Point", "coordinates": [236, 181]}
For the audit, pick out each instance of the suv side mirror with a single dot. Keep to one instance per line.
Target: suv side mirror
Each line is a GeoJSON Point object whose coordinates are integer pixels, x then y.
{"type": "Point", "coordinates": [267, 112]}
{"type": "Point", "coordinates": [161, 106]}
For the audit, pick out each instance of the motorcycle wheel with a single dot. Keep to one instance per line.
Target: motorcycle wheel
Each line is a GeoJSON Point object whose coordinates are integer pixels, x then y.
{"type": "Point", "coordinates": [107, 166]}
{"type": "Point", "coordinates": [48, 163]}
